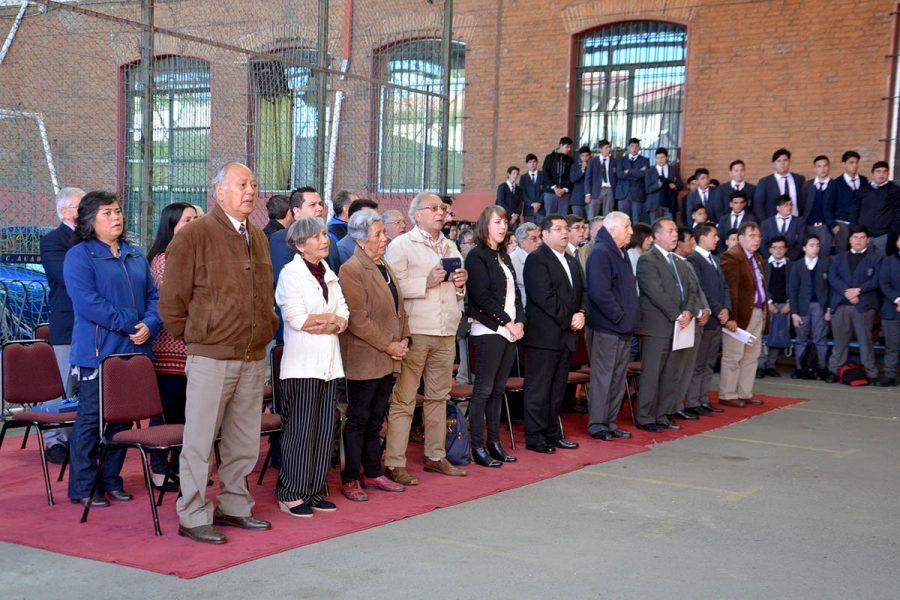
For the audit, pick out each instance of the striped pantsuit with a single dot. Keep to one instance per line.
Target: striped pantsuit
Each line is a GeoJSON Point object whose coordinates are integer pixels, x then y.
{"type": "Point", "coordinates": [307, 416]}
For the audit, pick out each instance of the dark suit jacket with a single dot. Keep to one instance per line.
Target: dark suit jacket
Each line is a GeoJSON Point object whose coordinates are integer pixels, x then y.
{"type": "Point", "coordinates": [576, 177]}
{"type": "Point", "coordinates": [662, 196]}
{"type": "Point", "coordinates": [741, 280]}
{"type": "Point", "coordinates": [799, 287]}
{"type": "Point", "coordinates": [271, 227]}
{"type": "Point", "coordinates": [593, 176]}
{"type": "Point", "coordinates": [630, 185]}
{"type": "Point", "coordinates": [808, 198]}
{"type": "Point", "coordinates": [552, 300]}
{"type": "Point", "coordinates": [724, 225]}
{"type": "Point", "coordinates": [877, 208]}
{"type": "Point", "coordinates": [865, 277]}
{"type": "Point", "coordinates": [54, 246]}
{"type": "Point", "coordinates": [487, 288]}
{"type": "Point", "coordinates": [660, 301]}
{"type": "Point", "coordinates": [767, 191]}
{"type": "Point", "coordinates": [721, 202]}
{"type": "Point", "coordinates": [693, 200]}
{"type": "Point", "coordinates": [511, 201]}
{"type": "Point", "coordinates": [713, 285]}
{"type": "Point", "coordinates": [794, 236]}
{"type": "Point", "coordinates": [612, 292]}
{"type": "Point", "coordinates": [531, 192]}
{"type": "Point", "coordinates": [840, 203]}
{"type": "Point", "coordinates": [889, 280]}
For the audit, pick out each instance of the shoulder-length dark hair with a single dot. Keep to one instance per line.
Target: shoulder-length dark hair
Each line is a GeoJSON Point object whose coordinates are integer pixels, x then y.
{"type": "Point", "coordinates": [87, 214]}
{"type": "Point", "coordinates": [482, 237]}
{"type": "Point", "coordinates": [168, 219]}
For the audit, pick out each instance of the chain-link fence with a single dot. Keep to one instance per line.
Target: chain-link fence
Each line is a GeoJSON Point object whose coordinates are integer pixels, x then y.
{"type": "Point", "coordinates": [148, 99]}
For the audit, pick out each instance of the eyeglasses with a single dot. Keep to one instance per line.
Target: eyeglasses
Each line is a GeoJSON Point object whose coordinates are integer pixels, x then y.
{"type": "Point", "coordinates": [442, 209]}
{"type": "Point", "coordinates": [558, 228]}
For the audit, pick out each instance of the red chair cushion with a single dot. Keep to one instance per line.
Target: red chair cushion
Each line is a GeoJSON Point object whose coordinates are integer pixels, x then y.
{"type": "Point", "coordinates": [160, 435]}
{"type": "Point", "coordinates": [43, 418]}
{"type": "Point", "coordinates": [515, 384]}
{"type": "Point", "coordinates": [270, 423]}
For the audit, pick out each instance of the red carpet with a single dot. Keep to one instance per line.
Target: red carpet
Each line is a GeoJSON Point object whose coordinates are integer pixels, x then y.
{"type": "Point", "coordinates": [123, 533]}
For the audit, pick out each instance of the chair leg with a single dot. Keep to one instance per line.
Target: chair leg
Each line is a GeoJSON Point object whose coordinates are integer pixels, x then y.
{"type": "Point", "coordinates": [62, 469]}
{"type": "Point", "coordinates": [169, 476]}
{"type": "Point", "coordinates": [266, 461]}
{"type": "Point", "coordinates": [6, 425]}
{"type": "Point", "coordinates": [44, 467]}
{"type": "Point", "coordinates": [149, 483]}
{"type": "Point", "coordinates": [25, 437]}
{"type": "Point", "coordinates": [96, 484]}
{"type": "Point", "coordinates": [512, 439]}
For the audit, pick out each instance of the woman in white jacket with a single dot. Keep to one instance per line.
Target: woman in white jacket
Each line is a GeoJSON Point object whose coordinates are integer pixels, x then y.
{"type": "Point", "coordinates": [314, 312]}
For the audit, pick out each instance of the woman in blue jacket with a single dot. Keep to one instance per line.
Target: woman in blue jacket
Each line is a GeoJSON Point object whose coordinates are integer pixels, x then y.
{"type": "Point", "coordinates": [114, 298]}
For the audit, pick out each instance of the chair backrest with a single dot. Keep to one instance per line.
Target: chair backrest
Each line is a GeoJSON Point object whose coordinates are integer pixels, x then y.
{"type": "Point", "coordinates": [128, 389]}
{"type": "Point", "coordinates": [42, 331]}
{"type": "Point", "coordinates": [275, 367]}
{"type": "Point", "coordinates": [30, 373]}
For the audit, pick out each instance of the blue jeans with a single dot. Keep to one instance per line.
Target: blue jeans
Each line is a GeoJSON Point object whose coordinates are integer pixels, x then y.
{"type": "Point", "coordinates": [84, 443]}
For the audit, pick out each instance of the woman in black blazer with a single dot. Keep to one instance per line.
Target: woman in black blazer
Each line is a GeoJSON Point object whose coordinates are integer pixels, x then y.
{"type": "Point", "coordinates": [497, 317]}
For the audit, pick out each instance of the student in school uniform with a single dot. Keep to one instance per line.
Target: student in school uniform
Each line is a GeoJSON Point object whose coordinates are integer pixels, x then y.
{"type": "Point", "coordinates": [808, 298]}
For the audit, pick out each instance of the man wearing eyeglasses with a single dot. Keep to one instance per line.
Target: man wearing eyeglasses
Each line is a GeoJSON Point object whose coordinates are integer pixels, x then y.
{"type": "Point", "coordinates": [431, 297]}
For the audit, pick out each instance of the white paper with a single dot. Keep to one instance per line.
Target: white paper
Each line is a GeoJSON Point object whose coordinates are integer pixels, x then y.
{"type": "Point", "coordinates": [741, 335]}
{"type": "Point", "coordinates": [683, 338]}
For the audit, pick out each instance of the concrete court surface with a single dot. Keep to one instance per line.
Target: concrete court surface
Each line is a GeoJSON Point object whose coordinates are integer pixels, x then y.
{"type": "Point", "coordinates": [798, 503]}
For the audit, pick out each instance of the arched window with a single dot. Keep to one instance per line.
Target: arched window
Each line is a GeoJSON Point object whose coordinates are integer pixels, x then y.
{"type": "Point", "coordinates": [409, 124]}
{"type": "Point", "coordinates": [630, 83]}
{"type": "Point", "coordinates": [181, 124]}
{"type": "Point", "coordinates": [285, 119]}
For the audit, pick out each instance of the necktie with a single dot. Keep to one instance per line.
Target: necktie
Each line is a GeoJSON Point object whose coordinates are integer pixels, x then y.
{"type": "Point", "coordinates": [854, 183]}
{"type": "Point", "coordinates": [821, 186]}
{"type": "Point", "coordinates": [605, 176]}
{"type": "Point", "coordinates": [787, 188]}
{"type": "Point", "coordinates": [783, 224]}
{"type": "Point", "coordinates": [533, 177]}
{"type": "Point", "coordinates": [712, 261]}
{"type": "Point", "coordinates": [703, 198]}
{"type": "Point", "coordinates": [759, 295]}
{"type": "Point", "coordinates": [734, 222]}
{"type": "Point", "coordinates": [677, 279]}
{"type": "Point", "coordinates": [243, 231]}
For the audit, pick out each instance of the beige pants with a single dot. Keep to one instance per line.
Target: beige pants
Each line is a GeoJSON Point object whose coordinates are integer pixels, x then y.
{"type": "Point", "coordinates": [434, 356]}
{"type": "Point", "coordinates": [739, 361]}
{"type": "Point", "coordinates": [224, 394]}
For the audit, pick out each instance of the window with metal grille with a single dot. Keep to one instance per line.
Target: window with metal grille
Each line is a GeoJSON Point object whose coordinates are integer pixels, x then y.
{"type": "Point", "coordinates": [181, 124]}
{"type": "Point", "coordinates": [285, 117]}
{"type": "Point", "coordinates": [630, 83]}
{"type": "Point", "coordinates": [409, 124]}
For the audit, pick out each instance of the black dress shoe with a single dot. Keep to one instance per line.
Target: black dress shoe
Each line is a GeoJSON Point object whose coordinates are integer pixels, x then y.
{"type": "Point", "coordinates": [831, 378]}
{"type": "Point", "coordinates": [606, 436]}
{"type": "Point", "coordinates": [481, 457]}
{"type": "Point", "coordinates": [251, 522]}
{"type": "Point", "coordinates": [887, 382]}
{"type": "Point", "coordinates": [823, 374]}
{"type": "Point", "coordinates": [708, 406]}
{"type": "Point", "coordinates": [562, 443]}
{"type": "Point", "coordinates": [652, 427]}
{"type": "Point", "coordinates": [96, 502]}
{"type": "Point", "coordinates": [668, 425]}
{"type": "Point", "coordinates": [496, 451]}
{"type": "Point", "coordinates": [683, 414]}
{"type": "Point", "coordinates": [797, 374]}
{"type": "Point", "coordinates": [760, 373]}
{"type": "Point", "coordinates": [542, 448]}
{"type": "Point", "coordinates": [119, 496]}
{"type": "Point", "coordinates": [695, 412]}
{"type": "Point", "coordinates": [772, 372]}
{"type": "Point", "coordinates": [621, 434]}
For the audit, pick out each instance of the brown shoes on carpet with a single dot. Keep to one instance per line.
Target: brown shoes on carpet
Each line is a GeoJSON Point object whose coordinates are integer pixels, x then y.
{"type": "Point", "coordinates": [400, 475]}
{"type": "Point", "coordinates": [205, 534]}
{"type": "Point", "coordinates": [444, 467]}
{"type": "Point", "coordinates": [741, 402]}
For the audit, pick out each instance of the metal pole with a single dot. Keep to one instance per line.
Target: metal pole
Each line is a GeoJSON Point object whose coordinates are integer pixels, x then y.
{"type": "Point", "coordinates": [145, 219]}
{"type": "Point", "coordinates": [322, 97]}
{"type": "Point", "coordinates": [446, 59]}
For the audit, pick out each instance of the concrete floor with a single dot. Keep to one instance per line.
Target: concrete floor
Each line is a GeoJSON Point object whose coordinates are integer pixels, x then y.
{"type": "Point", "coordinates": [799, 503]}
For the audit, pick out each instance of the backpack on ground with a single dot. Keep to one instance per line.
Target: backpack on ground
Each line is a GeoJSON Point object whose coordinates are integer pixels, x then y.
{"type": "Point", "coordinates": [809, 364]}
{"type": "Point", "coordinates": [457, 445]}
{"type": "Point", "coordinates": [853, 374]}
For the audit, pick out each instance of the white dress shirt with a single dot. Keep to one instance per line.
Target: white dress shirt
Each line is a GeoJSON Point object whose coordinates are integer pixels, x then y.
{"type": "Point", "coordinates": [562, 259]}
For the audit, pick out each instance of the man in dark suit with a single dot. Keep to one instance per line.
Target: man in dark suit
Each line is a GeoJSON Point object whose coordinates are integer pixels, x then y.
{"type": "Point", "coordinates": [280, 215]}
{"type": "Point", "coordinates": [613, 316]}
{"type": "Point", "coordinates": [808, 297]}
{"type": "Point", "coordinates": [556, 308]}
{"type": "Point", "coordinates": [781, 182]}
{"type": "Point", "coordinates": [853, 277]}
{"type": "Point", "coordinates": [509, 196]}
{"type": "Point", "coordinates": [600, 182]}
{"type": "Point", "coordinates": [532, 184]}
{"type": "Point", "coordinates": [702, 196]}
{"type": "Point", "coordinates": [783, 224]}
{"type": "Point", "coordinates": [735, 217]}
{"type": "Point", "coordinates": [576, 177]}
{"type": "Point", "coordinates": [668, 299]}
{"type": "Point", "coordinates": [745, 275]}
{"type": "Point", "coordinates": [840, 203]}
{"type": "Point", "coordinates": [877, 206]}
{"type": "Point", "coordinates": [54, 246]}
{"type": "Point", "coordinates": [556, 169]}
{"type": "Point", "coordinates": [889, 279]}
{"type": "Point", "coordinates": [662, 184]}
{"type": "Point", "coordinates": [721, 201]}
{"type": "Point", "coordinates": [630, 171]}
{"type": "Point", "coordinates": [714, 287]}
{"type": "Point", "coordinates": [814, 197]}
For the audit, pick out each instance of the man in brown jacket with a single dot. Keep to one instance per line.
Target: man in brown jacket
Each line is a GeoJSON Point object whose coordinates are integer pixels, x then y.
{"type": "Point", "coordinates": [745, 273]}
{"type": "Point", "coordinates": [218, 297]}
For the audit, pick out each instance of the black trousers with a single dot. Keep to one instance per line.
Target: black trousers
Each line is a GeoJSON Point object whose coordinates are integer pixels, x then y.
{"type": "Point", "coordinates": [495, 356]}
{"type": "Point", "coordinates": [307, 416]}
{"type": "Point", "coordinates": [368, 401]}
{"type": "Point", "coordinates": [173, 394]}
{"type": "Point", "coordinates": [546, 376]}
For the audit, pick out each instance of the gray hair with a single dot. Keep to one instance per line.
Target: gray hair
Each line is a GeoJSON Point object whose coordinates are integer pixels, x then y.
{"type": "Point", "coordinates": [386, 215]}
{"type": "Point", "coordinates": [523, 229]}
{"type": "Point", "coordinates": [219, 177]}
{"type": "Point", "coordinates": [360, 223]}
{"type": "Point", "coordinates": [616, 219]}
{"type": "Point", "coordinates": [302, 230]}
{"type": "Point", "coordinates": [63, 196]}
{"type": "Point", "coordinates": [414, 204]}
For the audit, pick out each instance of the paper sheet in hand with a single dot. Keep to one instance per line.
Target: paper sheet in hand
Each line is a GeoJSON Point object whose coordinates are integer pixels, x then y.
{"type": "Point", "coordinates": [683, 338]}
{"type": "Point", "coordinates": [741, 335]}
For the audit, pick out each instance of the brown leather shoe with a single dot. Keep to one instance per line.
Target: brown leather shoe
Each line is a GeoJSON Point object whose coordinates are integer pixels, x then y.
{"type": "Point", "coordinates": [251, 522]}
{"type": "Point", "coordinates": [400, 475]}
{"type": "Point", "coordinates": [381, 483]}
{"type": "Point", "coordinates": [205, 534]}
{"type": "Point", "coordinates": [751, 400]}
{"type": "Point", "coordinates": [444, 467]}
{"type": "Point", "coordinates": [735, 403]}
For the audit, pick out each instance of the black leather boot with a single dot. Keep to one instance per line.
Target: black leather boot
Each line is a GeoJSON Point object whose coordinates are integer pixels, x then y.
{"type": "Point", "coordinates": [496, 451]}
{"type": "Point", "coordinates": [481, 457]}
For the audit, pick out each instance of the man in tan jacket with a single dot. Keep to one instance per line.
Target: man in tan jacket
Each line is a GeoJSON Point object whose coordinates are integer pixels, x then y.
{"type": "Point", "coordinates": [430, 296]}
{"type": "Point", "coordinates": [217, 295]}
